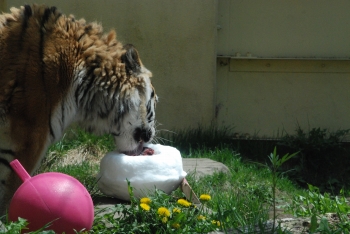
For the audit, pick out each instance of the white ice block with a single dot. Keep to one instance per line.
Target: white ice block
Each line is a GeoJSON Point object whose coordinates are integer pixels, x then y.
{"type": "Point", "coordinates": [162, 170]}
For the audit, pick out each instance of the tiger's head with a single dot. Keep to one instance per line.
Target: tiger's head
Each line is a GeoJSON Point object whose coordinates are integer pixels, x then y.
{"type": "Point", "coordinates": [137, 124]}
{"type": "Point", "coordinates": [121, 103]}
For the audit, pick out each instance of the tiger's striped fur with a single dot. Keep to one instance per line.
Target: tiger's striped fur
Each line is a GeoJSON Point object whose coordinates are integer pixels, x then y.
{"type": "Point", "coordinates": [56, 70]}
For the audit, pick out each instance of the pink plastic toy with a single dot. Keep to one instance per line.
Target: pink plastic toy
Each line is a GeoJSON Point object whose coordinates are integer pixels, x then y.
{"type": "Point", "coordinates": [50, 197]}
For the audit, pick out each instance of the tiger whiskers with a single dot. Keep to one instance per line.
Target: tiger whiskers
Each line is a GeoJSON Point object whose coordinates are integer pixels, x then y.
{"type": "Point", "coordinates": [158, 138]}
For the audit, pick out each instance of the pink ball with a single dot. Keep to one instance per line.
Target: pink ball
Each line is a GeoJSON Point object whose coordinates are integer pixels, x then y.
{"type": "Point", "coordinates": [50, 197]}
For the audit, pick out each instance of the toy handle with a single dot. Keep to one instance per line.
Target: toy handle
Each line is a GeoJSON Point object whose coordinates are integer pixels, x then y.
{"type": "Point", "coordinates": [19, 169]}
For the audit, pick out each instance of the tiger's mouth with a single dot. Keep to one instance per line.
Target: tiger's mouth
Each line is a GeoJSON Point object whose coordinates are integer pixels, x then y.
{"type": "Point", "coordinates": [141, 149]}
{"type": "Point", "coordinates": [137, 151]}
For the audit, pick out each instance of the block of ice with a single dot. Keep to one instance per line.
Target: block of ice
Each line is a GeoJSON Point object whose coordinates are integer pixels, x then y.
{"type": "Point", "coordinates": [162, 170]}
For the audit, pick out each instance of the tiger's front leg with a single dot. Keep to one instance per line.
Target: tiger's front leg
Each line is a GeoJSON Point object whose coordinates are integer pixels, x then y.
{"type": "Point", "coordinates": [8, 187]}
{"type": "Point", "coordinates": [29, 147]}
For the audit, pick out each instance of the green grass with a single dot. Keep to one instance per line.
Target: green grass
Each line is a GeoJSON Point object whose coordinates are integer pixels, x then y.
{"type": "Point", "coordinates": [160, 213]}
{"type": "Point", "coordinates": [244, 194]}
{"type": "Point", "coordinates": [240, 200]}
{"type": "Point", "coordinates": [74, 138]}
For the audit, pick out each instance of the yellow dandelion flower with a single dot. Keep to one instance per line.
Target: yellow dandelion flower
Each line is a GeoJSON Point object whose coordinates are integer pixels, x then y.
{"type": "Point", "coordinates": [145, 200]}
{"type": "Point", "coordinates": [176, 210]}
{"type": "Point", "coordinates": [217, 223]}
{"type": "Point", "coordinates": [205, 197]}
{"type": "Point", "coordinates": [176, 225]}
{"type": "Point", "coordinates": [184, 203]}
{"type": "Point", "coordinates": [164, 219]}
{"type": "Point", "coordinates": [162, 211]}
{"type": "Point", "coordinates": [145, 206]}
{"type": "Point", "coordinates": [201, 217]}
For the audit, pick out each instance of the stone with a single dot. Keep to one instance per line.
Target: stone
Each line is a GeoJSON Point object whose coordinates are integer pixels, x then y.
{"type": "Point", "coordinates": [200, 167]}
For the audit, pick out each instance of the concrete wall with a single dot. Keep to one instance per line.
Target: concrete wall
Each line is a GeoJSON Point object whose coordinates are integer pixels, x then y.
{"type": "Point", "coordinates": [176, 41]}
{"type": "Point", "coordinates": [265, 97]}
{"type": "Point", "coordinates": [3, 5]}
{"type": "Point", "coordinates": [283, 63]}
{"type": "Point", "coordinates": [288, 28]}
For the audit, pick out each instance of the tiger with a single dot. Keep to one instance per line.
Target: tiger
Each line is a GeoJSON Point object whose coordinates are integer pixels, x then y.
{"type": "Point", "coordinates": [56, 70]}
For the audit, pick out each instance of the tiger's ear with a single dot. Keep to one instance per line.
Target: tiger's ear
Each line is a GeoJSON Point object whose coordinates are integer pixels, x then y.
{"type": "Point", "coordinates": [131, 59]}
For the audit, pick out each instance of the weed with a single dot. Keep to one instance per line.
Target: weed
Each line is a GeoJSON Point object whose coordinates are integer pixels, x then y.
{"type": "Point", "coordinates": [20, 226]}
{"type": "Point", "coordinates": [317, 205]}
{"type": "Point", "coordinates": [275, 164]}
{"type": "Point", "coordinates": [202, 137]}
{"type": "Point", "coordinates": [323, 160]}
{"type": "Point", "coordinates": [159, 213]}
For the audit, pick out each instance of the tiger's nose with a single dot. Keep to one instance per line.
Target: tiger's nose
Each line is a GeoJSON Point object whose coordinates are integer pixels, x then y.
{"type": "Point", "coordinates": [141, 134]}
